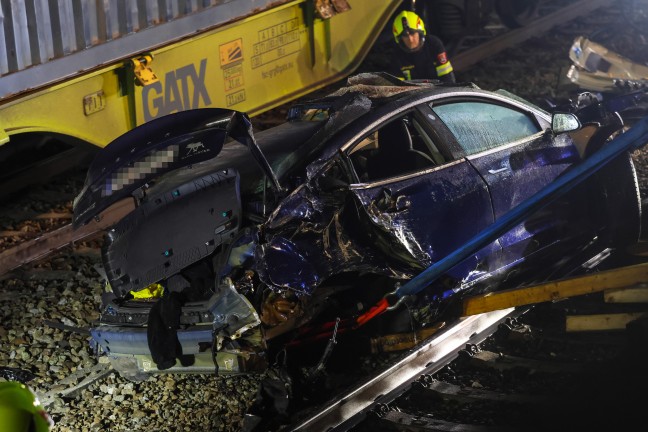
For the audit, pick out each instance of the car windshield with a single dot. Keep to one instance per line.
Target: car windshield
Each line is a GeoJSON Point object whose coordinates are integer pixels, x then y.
{"type": "Point", "coordinates": [480, 126]}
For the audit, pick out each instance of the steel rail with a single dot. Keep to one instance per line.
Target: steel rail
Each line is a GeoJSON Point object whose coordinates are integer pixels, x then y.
{"type": "Point", "coordinates": [471, 57]}
{"type": "Point", "coordinates": [42, 170]}
{"type": "Point", "coordinates": [52, 241]}
{"type": "Point", "coordinates": [346, 411]}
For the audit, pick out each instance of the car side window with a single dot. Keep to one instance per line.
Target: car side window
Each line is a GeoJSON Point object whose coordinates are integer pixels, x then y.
{"type": "Point", "coordinates": [397, 148]}
{"type": "Point", "coordinates": [480, 126]}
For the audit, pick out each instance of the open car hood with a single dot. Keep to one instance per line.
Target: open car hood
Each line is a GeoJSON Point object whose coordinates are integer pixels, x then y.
{"type": "Point", "coordinates": [154, 148]}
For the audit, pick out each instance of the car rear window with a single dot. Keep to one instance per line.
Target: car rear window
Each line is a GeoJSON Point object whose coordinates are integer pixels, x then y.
{"type": "Point", "coordinates": [480, 126]}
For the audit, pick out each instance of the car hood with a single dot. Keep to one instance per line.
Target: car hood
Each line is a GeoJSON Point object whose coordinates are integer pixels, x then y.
{"type": "Point", "coordinates": [161, 145]}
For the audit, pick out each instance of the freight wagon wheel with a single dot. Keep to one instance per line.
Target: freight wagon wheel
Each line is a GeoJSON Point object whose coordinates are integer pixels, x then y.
{"type": "Point", "coordinates": [517, 13]}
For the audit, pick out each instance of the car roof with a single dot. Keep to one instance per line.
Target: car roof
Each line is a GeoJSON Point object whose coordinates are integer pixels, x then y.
{"type": "Point", "coordinates": [382, 88]}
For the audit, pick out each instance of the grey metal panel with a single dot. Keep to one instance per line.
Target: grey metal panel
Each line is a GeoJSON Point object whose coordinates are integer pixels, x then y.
{"type": "Point", "coordinates": [3, 46]}
{"type": "Point", "coordinates": [30, 11]}
{"type": "Point", "coordinates": [90, 23]}
{"type": "Point", "coordinates": [78, 24]}
{"type": "Point", "coordinates": [77, 30]}
{"type": "Point", "coordinates": [21, 35]}
{"type": "Point", "coordinates": [172, 8]}
{"type": "Point", "coordinates": [162, 8]}
{"type": "Point", "coordinates": [10, 62]}
{"type": "Point", "coordinates": [37, 31]}
{"type": "Point", "coordinates": [103, 15]}
{"type": "Point", "coordinates": [122, 20]}
{"type": "Point", "coordinates": [141, 14]}
{"type": "Point", "coordinates": [131, 16]}
{"type": "Point", "coordinates": [63, 32]}
{"type": "Point", "coordinates": [44, 30]}
{"type": "Point", "coordinates": [55, 20]}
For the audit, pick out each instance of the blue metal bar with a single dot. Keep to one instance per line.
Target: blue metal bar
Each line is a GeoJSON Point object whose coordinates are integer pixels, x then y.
{"type": "Point", "coordinates": [633, 139]}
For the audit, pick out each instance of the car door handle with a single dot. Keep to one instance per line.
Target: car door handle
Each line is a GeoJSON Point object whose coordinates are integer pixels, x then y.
{"type": "Point", "coordinates": [403, 203]}
{"type": "Point", "coordinates": [388, 204]}
{"type": "Point", "coordinates": [498, 170]}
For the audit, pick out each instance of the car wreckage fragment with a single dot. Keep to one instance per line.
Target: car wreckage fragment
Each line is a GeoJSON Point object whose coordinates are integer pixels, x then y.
{"type": "Point", "coordinates": [235, 250]}
{"type": "Point", "coordinates": [207, 336]}
{"type": "Point", "coordinates": [597, 68]}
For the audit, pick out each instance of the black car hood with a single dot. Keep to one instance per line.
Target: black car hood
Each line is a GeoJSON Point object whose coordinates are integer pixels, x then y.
{"type": "Point", "coordinates": [154, 148]}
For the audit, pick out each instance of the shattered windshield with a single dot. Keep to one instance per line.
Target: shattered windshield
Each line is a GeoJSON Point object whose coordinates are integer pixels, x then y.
{"type": "Point", "coordinates": [480, 126]}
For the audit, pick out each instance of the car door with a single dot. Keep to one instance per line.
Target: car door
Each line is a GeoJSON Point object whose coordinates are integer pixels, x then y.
{"type": "Point", "coordinates": [506, 143]}
{"type": "Point", "coordinates": [418, 213]}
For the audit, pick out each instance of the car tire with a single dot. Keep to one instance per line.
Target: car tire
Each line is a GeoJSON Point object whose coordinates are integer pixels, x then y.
{"type": "Point", "coordinates": [619, 202]}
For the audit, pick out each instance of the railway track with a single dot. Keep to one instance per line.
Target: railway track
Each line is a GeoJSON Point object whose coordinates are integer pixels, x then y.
{"type": "Point", "coordinates": [555, 14]}
{"type": "Point", "coordinates": [39, 171]}
{"type": "Point", "coordinates": [504, 371]}
{"type": "Point", "coordinates": [345, 410]}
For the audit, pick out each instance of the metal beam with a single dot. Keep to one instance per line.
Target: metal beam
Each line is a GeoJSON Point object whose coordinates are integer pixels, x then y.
{"type": "Point", "coordinates": [52, 241]}
{"type": "Point", "coordinates": [602, 322]}
{"type": "Point", "coordinates": [425, 359]}
{"type": "Point", "coordinates": [471, 57]}
{"type": "Point", "coordinates": [561, 289]}
{"type": "Point", "coordinates": [634, 138]}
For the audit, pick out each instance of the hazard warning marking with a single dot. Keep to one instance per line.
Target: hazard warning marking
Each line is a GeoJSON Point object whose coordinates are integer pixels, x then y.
{"type": "Point", "coordinates": [231, 52]}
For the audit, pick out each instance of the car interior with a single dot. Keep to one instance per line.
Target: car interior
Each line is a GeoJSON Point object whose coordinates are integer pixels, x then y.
{"type": "Point", "coordinates": [398, 148]}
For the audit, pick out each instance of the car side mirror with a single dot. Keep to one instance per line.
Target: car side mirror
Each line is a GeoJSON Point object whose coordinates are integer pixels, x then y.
{"type": "Point", "coordinates": [564, 122]}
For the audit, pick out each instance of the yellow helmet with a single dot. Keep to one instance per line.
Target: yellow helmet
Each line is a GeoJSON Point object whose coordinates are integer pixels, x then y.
{"type": "Point", "coordinates": [406, 22]}
{"type": "Point", "coordinates": [20, 410]}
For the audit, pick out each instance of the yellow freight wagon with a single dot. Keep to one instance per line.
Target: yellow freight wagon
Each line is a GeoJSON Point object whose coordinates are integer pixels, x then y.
{"type": "Point", "coordinates": [86, 71]}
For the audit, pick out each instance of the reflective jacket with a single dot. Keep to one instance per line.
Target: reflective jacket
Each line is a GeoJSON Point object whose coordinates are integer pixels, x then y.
{"type": "Point", "coordinates": [430, 62]}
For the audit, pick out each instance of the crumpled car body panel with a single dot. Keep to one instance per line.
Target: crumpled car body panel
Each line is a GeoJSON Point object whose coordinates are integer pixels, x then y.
{"type": "Point", "coordinates": [216, 217]}
{"type": "Point", "coordinates": [599, 69]}
{"type": "Point", "coordinates": [374, 180]}
{"type": "Point", "coordinates": [157, 147]}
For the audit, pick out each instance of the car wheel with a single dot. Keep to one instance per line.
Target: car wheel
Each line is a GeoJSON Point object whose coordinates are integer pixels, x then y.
{"type": "Point", "coordinates": [619, 202]}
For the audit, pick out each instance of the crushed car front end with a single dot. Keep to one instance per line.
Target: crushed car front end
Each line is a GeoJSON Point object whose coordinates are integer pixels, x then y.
{"type": "Point", "coordinates": [171, 303]}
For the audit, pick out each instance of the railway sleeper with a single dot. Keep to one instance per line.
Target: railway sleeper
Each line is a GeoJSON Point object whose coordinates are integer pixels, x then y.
{"type": "Point", "coordinates": [427, 387]}
{"type": "Point", "coordinates": [395, 420]}
{"type": "Point", "coordinates": [489, 359]}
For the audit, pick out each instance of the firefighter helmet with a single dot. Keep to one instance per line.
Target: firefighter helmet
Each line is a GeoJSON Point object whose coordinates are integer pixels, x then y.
{"type": "Point", "coordinates": [405, 23]}
{"type": "Point", "coordinates": [20, 410]}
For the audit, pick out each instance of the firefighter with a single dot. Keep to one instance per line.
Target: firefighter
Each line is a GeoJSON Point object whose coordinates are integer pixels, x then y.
{"type": "Point", "coordinates": [20, 410]}
{"type": "Point", "coordinates": [420, 56]}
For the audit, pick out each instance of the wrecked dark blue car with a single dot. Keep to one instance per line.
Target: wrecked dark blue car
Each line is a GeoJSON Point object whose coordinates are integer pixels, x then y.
{"type": "Point", "coordinates": [257, 239]}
